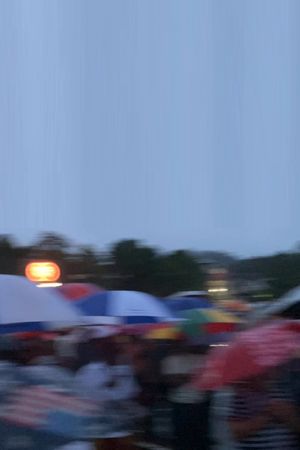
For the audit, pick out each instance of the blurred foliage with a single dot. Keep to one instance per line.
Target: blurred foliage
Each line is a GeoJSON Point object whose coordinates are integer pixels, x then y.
{"type": "Point", "coordinates": [179, 271]}
{"type": "Point", "coordinates": [282, 271]}
{"type": "Point", "coordinates": [128, 265]}
{"type": "Point", "coordinates": [135, 265]}
{"type": "Point", "coordinates": [8, 255]}
{"type": "Point", "coordinates": [220, 259]}
{"type": "Point", "coordinates": [132, 265]}
{"type": "Point", "coordinates": [144, 268]}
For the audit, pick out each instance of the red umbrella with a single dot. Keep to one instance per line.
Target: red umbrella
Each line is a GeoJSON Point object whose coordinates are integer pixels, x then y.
{"type": "Point", "coordinates": [77, 291]}
{"type": "Point", "coordinates": [251, 353]}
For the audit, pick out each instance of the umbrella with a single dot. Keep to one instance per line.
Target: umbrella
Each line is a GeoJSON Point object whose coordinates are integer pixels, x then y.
{"type": "Point", "coordinates": [286, 306]}
{"type": "Point", "coordinates": [34, 413]}
{"type": "Point", "coordinates": [179, 304]}
{"type": "Point", "coordinates": [170, 333]}
{"type": "Point", "coordinates": [77, 291]}
{"type": "Point", "coordinates": [208, 320]}
{"type": "Point", "coordinates": [190, 294]}
{"type": "Point", "coordinates": [251, 353]}
{"type": "Point", "coordinates": [25, 307]}
{"type": "Point", "coordinates": [164, 333]}
{"type": "Point", "coordinates": [124, 307]}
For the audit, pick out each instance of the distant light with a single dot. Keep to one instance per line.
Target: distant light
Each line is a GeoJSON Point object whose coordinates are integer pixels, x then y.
{"type": "Point", "coordinates": [263, 296]}
{"type": "Point", "coordinates": [47, 285]}
{"type": "Point", "coordinates": [218, 345]}
{"type": "Point", "coordinates": [43, 272]}
{"type": "Point", "coordinates": [218, 290]}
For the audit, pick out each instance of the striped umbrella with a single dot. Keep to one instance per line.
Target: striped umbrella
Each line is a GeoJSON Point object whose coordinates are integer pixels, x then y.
{"type": "Point", "coordinates": [124, 308]}
{"type": "Point", "coordinates": [208, 324]}
{"type": "Point", "coordinates": [208, 321]}
{"type": "Point", "coordinates": [77, 291]}
{"type": "Point", "coordinates": [166, 333]}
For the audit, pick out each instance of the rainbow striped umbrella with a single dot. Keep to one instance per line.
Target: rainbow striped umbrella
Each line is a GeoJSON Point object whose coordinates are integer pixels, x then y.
{"type": "Point", "coordinates": [208, 321]}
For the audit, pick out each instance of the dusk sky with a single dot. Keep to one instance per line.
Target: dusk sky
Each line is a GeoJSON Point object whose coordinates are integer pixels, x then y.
{"type": "Point", "coordinates": [172, 121]}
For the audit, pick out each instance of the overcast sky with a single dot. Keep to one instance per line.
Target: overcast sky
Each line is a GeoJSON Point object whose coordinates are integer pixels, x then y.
{"type": "Point", "coordinates": [173, 121]}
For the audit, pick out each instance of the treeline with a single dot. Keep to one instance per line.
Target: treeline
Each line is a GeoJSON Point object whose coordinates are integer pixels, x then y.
{"type": "Point", "coordinates": [130, 264]}
{"type": "Point", "coordinates": [281, 271]}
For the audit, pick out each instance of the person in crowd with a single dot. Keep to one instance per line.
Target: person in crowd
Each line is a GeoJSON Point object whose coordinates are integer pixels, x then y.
{"type": "Point", "coordinates": [10, 351]}
{"type": "Point", "coordinates": [219, 414]}
{"type": "Point", "coordinates": [189, 407]}
{"type": "Point", "coordinates": [290, 380]}
{"type": "Point", "coordinates": [108, 380]}
{"type": "Point", "coordinates": [263, 415]}
{"type": "Point", "coordinates": [43, 362]}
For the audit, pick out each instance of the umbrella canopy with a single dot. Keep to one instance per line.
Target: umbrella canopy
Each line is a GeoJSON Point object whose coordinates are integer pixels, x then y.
{"type": "Point", "coordinates": [25, 307]}
{"type": "Point", "coordinates": [171, 332]}
{"type": "Point", "coordinates": [287, 306]}
{"type": "Point", "coordinates": [77, 291]}
{"type": "Point", "coordinates": [179, 304]}
{"type": "Point", "coordinates": [190, 294]}
{"type": "Point", "coordinates": [164, 333]}
{"type": "Point", "coordinates": [251, 353]}
{"type": "Point", "coordinates": [124, 307]}
{"type": "Point", "coordinates": [208, 320]}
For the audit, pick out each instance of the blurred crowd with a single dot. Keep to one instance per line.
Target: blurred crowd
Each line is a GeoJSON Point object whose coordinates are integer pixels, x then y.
{"type": "Point", "coordinates": [145, 392]}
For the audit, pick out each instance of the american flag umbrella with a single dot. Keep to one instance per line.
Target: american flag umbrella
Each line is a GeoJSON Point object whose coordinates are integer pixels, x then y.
{"type": "Point", "coordinates": [251, 353]}
{"type": "Point", "coordinates": [41, 417]}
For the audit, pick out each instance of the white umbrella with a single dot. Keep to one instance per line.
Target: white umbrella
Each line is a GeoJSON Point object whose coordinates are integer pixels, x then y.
{"type": "Point", "coordinates": [278, 307]}
{"type": "Point", "coordinates": [23, 306]}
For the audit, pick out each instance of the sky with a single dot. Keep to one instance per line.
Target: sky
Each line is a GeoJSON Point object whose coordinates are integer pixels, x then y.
{"type": "Point", "coordinates": [171, 121]}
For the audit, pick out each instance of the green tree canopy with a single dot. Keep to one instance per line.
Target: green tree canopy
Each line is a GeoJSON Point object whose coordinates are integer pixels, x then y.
{"type": "Point", "coordinates": [178, 271]}
{"type": "Point", "coordinates": [135, 265]}
{"type": "Point", "coordinates": [143, 268]}
{"type": "Point", "coordinates": [8, 255]}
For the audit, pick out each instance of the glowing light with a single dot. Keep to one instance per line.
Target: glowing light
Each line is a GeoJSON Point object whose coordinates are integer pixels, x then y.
{"type": "Point", "coordinates": [218, 345]}
{"type": "Point", "coordinates": [218, 290]}
{"type": "Point", "coordinates": [47, 285]}
{"type": "Point", "coordinates": [43, 272]}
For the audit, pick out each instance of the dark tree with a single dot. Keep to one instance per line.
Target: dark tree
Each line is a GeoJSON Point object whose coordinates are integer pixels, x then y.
{"type": "Point", "coordinates": [85, 266]}
{"type": "Point", "coordinates": [139, 267]}
{"type": "Point", "coordinates": [8, 255]}
{"type": "Point", "coordinates": [51, 244]}
{"type": "Point", "coordinates": [282, 271]}
{"type": "Point", "coordinates": [134, 265]}
{"type": "Point", "coordinates": [178, 271]}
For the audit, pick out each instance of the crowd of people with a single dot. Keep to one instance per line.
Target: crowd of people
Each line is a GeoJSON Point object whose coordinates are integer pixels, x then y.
{"type": "Point", "coordinates": [145, 391]}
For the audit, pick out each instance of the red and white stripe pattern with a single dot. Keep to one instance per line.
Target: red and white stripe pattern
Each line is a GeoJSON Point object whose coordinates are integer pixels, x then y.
{"type": "Point", "coordinates": [30, 406]}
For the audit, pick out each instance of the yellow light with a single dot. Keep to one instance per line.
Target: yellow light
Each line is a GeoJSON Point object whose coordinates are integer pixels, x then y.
{"type": "Point", "coordinates": [42, 272]}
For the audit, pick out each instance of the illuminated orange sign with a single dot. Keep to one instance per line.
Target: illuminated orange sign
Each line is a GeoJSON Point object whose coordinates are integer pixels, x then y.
{"type": "Point", "coordinates": [42, 272]}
